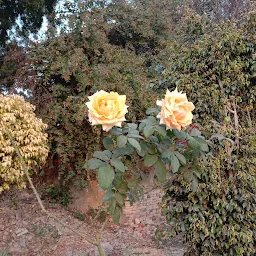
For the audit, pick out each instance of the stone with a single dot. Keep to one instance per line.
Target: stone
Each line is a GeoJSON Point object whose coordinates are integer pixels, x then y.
{"type": "Point", "coordinates": [107, 249]}
{"type": "Point", "coordinates": [21, 231]}
{"type": "Point", "coordinates": [137, 221]}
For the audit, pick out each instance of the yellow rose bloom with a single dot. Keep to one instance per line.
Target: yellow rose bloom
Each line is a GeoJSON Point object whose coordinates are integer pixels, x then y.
{"type": "Point", "coordinates": [176, 110]}
{"type": "Point", "coordinates": [107, 109]}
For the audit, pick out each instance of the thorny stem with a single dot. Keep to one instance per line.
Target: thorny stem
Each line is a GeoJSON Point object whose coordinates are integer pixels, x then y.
{"type": "Point", "coordinates": [24, 166]}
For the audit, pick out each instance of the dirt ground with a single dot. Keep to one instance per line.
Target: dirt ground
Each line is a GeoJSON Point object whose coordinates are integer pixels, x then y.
{"type": "Point", "coordinates": [25, 231]}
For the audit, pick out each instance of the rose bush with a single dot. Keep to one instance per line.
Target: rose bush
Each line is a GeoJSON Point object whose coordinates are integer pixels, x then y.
{"type": "Point", "coordinates": [107, 109]}
{"type": "Point", "coordinates": [159, 147]}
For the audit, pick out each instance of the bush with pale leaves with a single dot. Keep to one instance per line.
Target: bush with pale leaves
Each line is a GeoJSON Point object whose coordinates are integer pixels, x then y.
{"type": "Point", "coordinates": [19, 120]}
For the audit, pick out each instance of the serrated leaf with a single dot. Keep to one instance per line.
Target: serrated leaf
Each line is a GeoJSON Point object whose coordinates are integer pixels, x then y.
{"type": "Point", "coordinates": [115, 131]}
{"type": "Point", "coordinates": [141, 152]}
{"type": "Point", "coordinates": [181, 157]}
{"type": "Point", "coordinates": [132, 126]}
{"type": "Point", "coordinates": [94, 163]}
{"type": "Point", "coordinates": [107, 153]}
{"type": "Point", "coordinates": [167, 142]}
{"type": "Point", "coordinates": [112, 206]}
{"type": "Point", "coordinates": [152, 110]}
{"type": "Point", "coordinates": [151, 120]}
{"type": "Point", "coordinates": [175, 164]}
{"type": "Point", "coordinates": [116, 215]}
{"type": "Point", "coordinates": [148, 130]}
{"type": "Point", "coordinates": [133, 132]}
{"type": "Point", "coordinates": [161, 130]}
{"type": "Point", "coordinates": [134, 143]}
{"type": "Point", "coordinates": [119, 199]}
{"type": "Point", "coordinates": [141, 126]}
{"type": "Point", "coordinates": [181, 135]}
{"type": "Point", "coordinates": [118, 164]}
{"type": "Point", "coordinates": [129, 135]}
{"type": "Point", "coordinates": [166, 154]}
{"type": "Point", "coordinates": [108, 143]}
{"type": "Point", "coordinates": [160, 171]}
{"type": "Point", "coordinates": [128, 150]}
{"type": "Point", "coordinates": [121, 141]}
{"type": "Point", "coordinates": [151, 149]}
{"type": "Point", "coordinates": [150, 160]}
{"type": "Point", "coordinates": [106, 175]}
{"type": "Point", "coordinates": [203, 144]}
{"type": "Point", "coordinates": [108, 195]}
{"type": "Point", "coordinates": [154, 139]}
{"type": "Point", "coordinates": [195, 132]}
{"type": "Point", "coordinates": [101, 155]}
{"type": "Point", "coordinates": [193, 143]}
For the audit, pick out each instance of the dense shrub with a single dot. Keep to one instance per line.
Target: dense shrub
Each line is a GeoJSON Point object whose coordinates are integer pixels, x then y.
{"type": "Point", "coordinates": [19, 120]}
{"type": "Point", "coordinates": [65, 69]}
{"type": "Point", "coordinates": [216, 67]}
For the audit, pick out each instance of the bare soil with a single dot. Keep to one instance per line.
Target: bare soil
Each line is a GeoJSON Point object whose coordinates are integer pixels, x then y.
{"type": "Point", "coordinates": [26, 231]}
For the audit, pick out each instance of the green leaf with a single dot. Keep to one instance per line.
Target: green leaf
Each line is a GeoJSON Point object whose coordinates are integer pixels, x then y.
{"type": "Point", "coordinates": [194, 184]}
{"type": "Point", "coordinates": [108, 143]}
{"type": "Point", "coordinates": [151, 149]}
{"type": "Point", "coordinates": [106, 175]}
{"type": "Point", "coordinates": [133, 132]}
{"type": "Point", "coordinates": [115, 131]}
{"type": "Point", "coordinates": [152, 110]}
{"type": "Point", "coordinates": [94, 163]}
{"type": "Point", "coordinates": [195, 132]}
{"type": "Point", "coordinates": [166, 154]}
{"type": "Point", "coordinates": [132, 126]}
{"type": "Point", "coordinates": [161, 130]}
{"type": "Point", "coordinates": [129, 135]}
{"type": "Point", "coordinates": [116, 215]}
{"type": "Point", "coordinates": [167, 142]}
{"type": "Point", "coordinates": [128, 150]}
{"type": "Point", "coordinates": [181, 158]}
{"type": "Point", "coordinates": [101, 155]}
{"type": "Point", "coordinates": [188, 176]}
{"type": "Point", "coordinates": [160, 170]}
{"type": "Point", "coordinates": [150, 160]}
{"type": "Point", "coordinates": [108, 195]}
{"type": "Point", "coordinates": [141, 126]}
{"type": "Point", "coordinates": [154, 139]}
{"type": "Point", "coordinates": [118, 164]}
{"type": "Point", "coordinates": [181, 135]}
{"type": "Point", "coordinates": [112, 206]}
{"type": "Point", "coordinates": [151, 120]}
{"type": "Point", "coordinates": [193, 143]}
{"type": "Point", "coordinates": [175, 164]}
{"type": "Point", "coordinates": [133, 182]}
{"type": "Point", "coordinates": [203, 144]}
{"type": "Point", "coordinates": [134, 143]}
{"type": "Point", "coordinates": [107, 153]}
{"type": "Point", "coordinates": [119, 199]}
{"type": "Point", "coordinates": [148, 130]}
{"type": "Point", "coordinates": [121, 141]}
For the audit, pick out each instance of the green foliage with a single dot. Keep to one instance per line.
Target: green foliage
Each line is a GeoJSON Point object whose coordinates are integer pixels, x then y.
{"type": "Point", "coordinates": [119, 168]}
{"type": "Point", "coordinates": [64, 69]}
{"type": "Point", "coordinates": [62, 196]}
{"type": "Point", "coordinates": [219, 217]}
{"type": "Point", "coordinates": [215, 66]}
